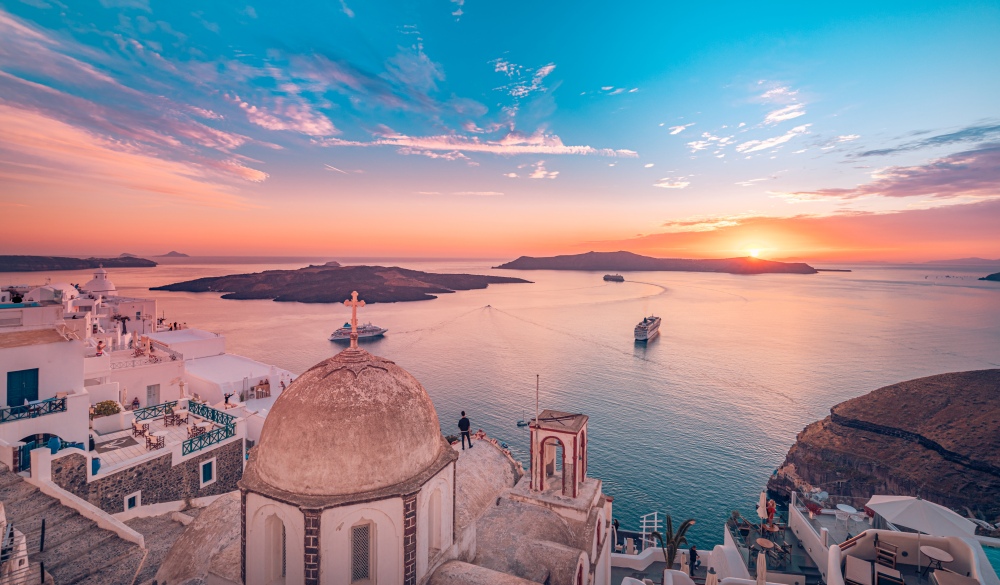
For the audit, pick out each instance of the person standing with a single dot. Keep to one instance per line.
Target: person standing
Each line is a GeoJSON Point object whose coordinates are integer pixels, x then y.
{"type": "Point", "coordinates": [693, 562]}
{"type": "Point", "coordinates": [772, 507]}
{"type": "Point", "coordinates": [464, 425]}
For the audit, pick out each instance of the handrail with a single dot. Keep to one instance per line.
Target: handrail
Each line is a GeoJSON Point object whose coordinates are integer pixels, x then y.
{"type": "Point", "coordinates": [851, 542]}
{"type": "Point", "coordinates": [199, 442]}
{"type": "Point", "coordinates": [153, 411]}
{"type": "Point", "coordinates": [41, 408]}
{"type": "Point", "coordinates": [209, 413]}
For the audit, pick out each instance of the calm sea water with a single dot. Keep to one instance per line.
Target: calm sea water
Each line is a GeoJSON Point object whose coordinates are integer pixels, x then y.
{"type": "Point", "coordinates": [692, 423]}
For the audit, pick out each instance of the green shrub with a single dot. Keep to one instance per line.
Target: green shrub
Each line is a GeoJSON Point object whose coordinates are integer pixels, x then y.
{"type": "Point", "coordinates": [106, 408]}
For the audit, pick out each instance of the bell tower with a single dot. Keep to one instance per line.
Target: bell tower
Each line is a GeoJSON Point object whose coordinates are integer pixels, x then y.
{"type": "Point", "coordinates": [558, 452]}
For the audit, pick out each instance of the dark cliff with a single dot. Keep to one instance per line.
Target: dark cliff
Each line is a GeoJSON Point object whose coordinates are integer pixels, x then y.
{"type": "Point", "coordinates": [45, 263]}
{"type": "Point", "coordinates": [994, 277]}
{"type": "Point", "coordinates": [628, 261]}
{"type": "Point", "coordinates": [937, 437]}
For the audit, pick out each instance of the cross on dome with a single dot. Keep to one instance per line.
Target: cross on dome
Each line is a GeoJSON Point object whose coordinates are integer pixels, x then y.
{"type": "Point", "coordinates": [354, 303]}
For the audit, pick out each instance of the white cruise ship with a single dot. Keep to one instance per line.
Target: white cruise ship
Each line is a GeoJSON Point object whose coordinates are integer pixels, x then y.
{"type": "Point", "coordinates": [648, 328]}
{"type": "Point", "coordinates": [365, 331]}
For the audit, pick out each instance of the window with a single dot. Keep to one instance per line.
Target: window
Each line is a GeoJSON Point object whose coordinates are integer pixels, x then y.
{"type": "Point", "coordinates": [361, 553]}
{"type": "Point", "coordinates": [133, 500]}
{"type": "Point", "coordinates": [434, 523]}
{"type": "Point", "coordinates": [208, 472]}
{"type": "Point", "coordinates": [275, 560]}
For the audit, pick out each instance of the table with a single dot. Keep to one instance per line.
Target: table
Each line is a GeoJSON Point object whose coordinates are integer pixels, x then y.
{"type": "Point", "coordinates": [846, 508]}
{"type": "Point", "coordinates": [160, 433]}
{"type": "Point", "coordinates": [205, 425]}
{"type": "Point", "coordinates": [765, 543]}
{"type": "Point", "coordinates": [935, 557]}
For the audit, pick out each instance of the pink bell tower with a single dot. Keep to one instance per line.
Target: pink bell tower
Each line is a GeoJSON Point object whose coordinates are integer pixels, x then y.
{"type": "Point", "coordinates": [552, 431]}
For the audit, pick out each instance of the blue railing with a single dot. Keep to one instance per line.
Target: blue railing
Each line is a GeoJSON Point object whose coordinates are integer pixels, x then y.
{"type": "Point", "coordinates": [153, 411]}
{"type": "Point", "coordinates": [209, 413]}
{"type": "Point", "coordinates": [41, 408]}
{"type": "Point", "coordinates": [208, 439]}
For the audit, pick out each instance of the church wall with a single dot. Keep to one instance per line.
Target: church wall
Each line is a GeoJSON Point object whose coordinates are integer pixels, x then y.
{"type": "Point", "coordinates": [258, 510]}
{"type": "Point", "coordinates": [158, 479]}
{"type": "Point", "coordinates": [335, 540]}
{"type": "Point", "coordinates": [444, 483]}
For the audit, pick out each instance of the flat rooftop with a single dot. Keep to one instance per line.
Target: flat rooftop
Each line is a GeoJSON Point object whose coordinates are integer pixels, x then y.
{"type": "Point", "coordinates": [183, 335]}
{"type": "Point", "coordinates": [24, 338]}
{"type": "Point", "coordinates": [226, 368]}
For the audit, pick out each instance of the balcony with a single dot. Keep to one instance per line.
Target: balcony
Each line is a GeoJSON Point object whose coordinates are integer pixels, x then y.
{"type": "Point", "coordinates": [33, 409]}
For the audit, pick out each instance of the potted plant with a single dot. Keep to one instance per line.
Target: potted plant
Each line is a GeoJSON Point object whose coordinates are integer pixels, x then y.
{"type": "Point", "coordinates": [670, 541]}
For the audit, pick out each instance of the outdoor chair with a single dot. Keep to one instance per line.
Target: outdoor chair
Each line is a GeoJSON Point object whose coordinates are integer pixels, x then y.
{"type": "Point", "coordinates": [150, 441]}
{"type": "Point", "coordinates": [885, 554]}
{"type": "Point", "coordinates": [857, 571]}
{"type": "Point", "coordinates": [139, 429]}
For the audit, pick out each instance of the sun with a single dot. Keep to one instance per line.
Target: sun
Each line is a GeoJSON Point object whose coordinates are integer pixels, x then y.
{"type": "Point", "coordinates": [755, 253]}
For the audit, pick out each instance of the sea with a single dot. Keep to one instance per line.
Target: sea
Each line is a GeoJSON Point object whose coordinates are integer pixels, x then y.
{"type": "Point", "coordinates": [690, 424]}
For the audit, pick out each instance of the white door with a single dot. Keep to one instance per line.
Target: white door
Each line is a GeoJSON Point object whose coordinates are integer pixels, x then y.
{"type": "Point", "coordinates": [152, 395]}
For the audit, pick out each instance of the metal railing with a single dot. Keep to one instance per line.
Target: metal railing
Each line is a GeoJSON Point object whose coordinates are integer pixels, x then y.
{"type": "Point", "coordinates": [41, 408]}
{"type": "Point", "coordinates": [153, 411]}
{"type": "Point", "coordinates": [209, 413]}
{"type": "Point", "coordinates": [199, 442]}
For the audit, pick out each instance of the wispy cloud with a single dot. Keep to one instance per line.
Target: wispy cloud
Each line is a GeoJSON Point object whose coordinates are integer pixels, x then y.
{"type": "Point", "coordinates": [513, 143]}
{"type": "Point", "coordinates": [969, 174]}
{"type": "Point", "coordinates": [479, 193]}
{"type": "Point", "coordinates": [757, 145]}
{"type": "Point", "coordinates": [296, 117]}
{"type": "Point", "coordinates": [977, 133]}
{"type": "Point", "coordinates": [709, 140]}
{"type": "Point", "coordinates": [333, 168]}
{"type": "Point", "coordinates": [673, 183]}
{"type": "Point", "coordinates": [345, 9]}
{"type": "Point", "coordinates": [787, 113]}
{"type": "Point", "coordinates": [779, 94]}
{"type": "Point", "coordinates": [679, 129]}
{"type": "Point", "coordinates": [458, 11]}
{"type": "Point", "coordinates": [540, 172]}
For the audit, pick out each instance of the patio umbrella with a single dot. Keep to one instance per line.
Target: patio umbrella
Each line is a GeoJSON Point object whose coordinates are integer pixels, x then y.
{"type": "Point", "coordinates": [762, 568]}
{"type": "Point", "coordinates": [712, 578]}
{"type": "Point", "coordinates": [921, 515]}
{"type": "Point", "coordinates": [762, 505]}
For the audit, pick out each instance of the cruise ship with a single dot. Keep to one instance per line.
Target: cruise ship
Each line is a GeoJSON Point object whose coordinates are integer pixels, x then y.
{"type": "Point", "coordinates": [614, 278]}
{"type": "Point", "coordinates": [365, 331]}
{"type": "Point", "coordinates": [648, 328]}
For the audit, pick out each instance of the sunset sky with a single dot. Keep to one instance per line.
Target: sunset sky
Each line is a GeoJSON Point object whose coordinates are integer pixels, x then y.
{"type": "Point", "coordinates": [463, 128]}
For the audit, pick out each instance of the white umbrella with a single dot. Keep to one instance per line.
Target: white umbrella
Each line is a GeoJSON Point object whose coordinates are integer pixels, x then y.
{"type": "Point", "coordinates": [712, 578]}
{"type": "Point", "coordinates": [921, 515]}
{"type": "Point", "coordinates": [762, 505]}
{"type": "Point", "coordinates": [762, 568]}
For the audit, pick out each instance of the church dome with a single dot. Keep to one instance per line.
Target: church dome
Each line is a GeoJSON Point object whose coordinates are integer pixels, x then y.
{"type": "Point", "coordinates": [353, 423]}
{"type": "Point", "coordinates": [100, 283]}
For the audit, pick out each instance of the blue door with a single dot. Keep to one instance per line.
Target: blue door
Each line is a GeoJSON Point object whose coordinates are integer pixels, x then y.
{"type": "Point", "coordinates": [22, 385]}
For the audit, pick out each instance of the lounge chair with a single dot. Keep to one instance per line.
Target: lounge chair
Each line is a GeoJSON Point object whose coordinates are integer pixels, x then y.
{"type": "Point", "coordinates": [885, 554]}
{"type": "Point", "coordinates": [887, 576]}
{"type": "Point", "coordinates": [857, 571]}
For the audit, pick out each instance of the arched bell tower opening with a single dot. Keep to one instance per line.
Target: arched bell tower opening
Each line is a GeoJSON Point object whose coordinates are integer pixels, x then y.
{"type": "Point", "coordinates": [558, 452]}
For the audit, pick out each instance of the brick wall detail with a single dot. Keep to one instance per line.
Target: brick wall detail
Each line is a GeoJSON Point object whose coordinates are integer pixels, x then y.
{"type": "Point", "coordinates": [312, 546]}
{"type": "Point", "coordinates": [410, 539]}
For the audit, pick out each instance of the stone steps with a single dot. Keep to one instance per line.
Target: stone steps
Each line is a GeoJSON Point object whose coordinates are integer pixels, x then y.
{"type": "Point", "coordinates": [77, 550]}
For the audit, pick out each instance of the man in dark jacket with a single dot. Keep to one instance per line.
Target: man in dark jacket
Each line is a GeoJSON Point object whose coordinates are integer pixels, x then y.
{"type": "Point", "coordinates": [464, 425]}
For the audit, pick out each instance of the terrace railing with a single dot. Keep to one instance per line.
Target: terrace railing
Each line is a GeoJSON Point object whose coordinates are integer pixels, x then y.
{"type": "Point", "coordinates": [153, 411]}
{"type": "Point", "coordinates": [41, 408]}
{"type": "Point", "coordinates": [199, 442]}
{"type": "Point", "coordinates": [209, 413]}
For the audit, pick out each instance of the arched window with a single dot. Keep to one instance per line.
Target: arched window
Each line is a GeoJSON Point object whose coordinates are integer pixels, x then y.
{"type": "Point", "coordinates": [579, 575]}
{"type": "Point", "coordinates": [434, 523]}
{"type": "Point", "coordinates": [275, 551]}
{"type": "Point", "coordinates": [362, 553]}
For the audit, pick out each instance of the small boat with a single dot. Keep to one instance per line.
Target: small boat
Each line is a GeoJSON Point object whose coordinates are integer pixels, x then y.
{"type": "Point", "coordinates": [614, 278]}
{"type": "Point", "coordinates": [647, 328]}
{"type": "Point", "coordinates": [366, 331]}
{"type": "Point", "coordinates": [524, 420]}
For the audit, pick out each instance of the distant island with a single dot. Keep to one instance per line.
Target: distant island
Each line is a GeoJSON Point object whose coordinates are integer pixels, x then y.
{"type": "Point", "coordinates": [45, 263]}
{"type": "Point", "coordinates": [628, 261]}
{"type": "Point", "coordinates": [966, 262]}
{"type": "Point", "coordinates": [995, 277]}
{"type": "Point", "coordinates": [934, 437]}
{"type": "Point", "coordinates": [172, 254]}
{"type": "Point", "coordinates": [333, 284]}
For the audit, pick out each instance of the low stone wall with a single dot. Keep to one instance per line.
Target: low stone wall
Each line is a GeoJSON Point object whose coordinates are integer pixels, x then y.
{"type": "Point", "coordinates": [158, 480]}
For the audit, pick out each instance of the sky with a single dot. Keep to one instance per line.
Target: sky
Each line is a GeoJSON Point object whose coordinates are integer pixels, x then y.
{"type": "Point", "coordinates": [461, 128]}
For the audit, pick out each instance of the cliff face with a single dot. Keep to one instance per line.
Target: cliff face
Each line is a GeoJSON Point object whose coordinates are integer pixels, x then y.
{"type": "Point", "coordinates": [937, 437]}
{"type": "Point", "coordinates": [995, 276]}
{"type": "Point", "coordinates": [46, 263]}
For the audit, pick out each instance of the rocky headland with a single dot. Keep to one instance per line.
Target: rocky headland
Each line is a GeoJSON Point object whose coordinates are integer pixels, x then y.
{"type": "Point", "coordinates": [333, 284]}
{"type": "Point", "coordinates": [995, 277]}
{"type": "Point", "coordinates": [937, 437]}
{"type": "Point", "coordinates": [172, 254]}
{"type": "Point", "coordinates": [46, 263]}
{"type": "Point", "coordinates": [630, 262]}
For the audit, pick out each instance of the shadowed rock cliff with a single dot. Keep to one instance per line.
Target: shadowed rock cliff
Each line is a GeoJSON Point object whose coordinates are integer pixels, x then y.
{"type": "Point", "coordinates": [937, 437]}
{"type": "Point", "coordinates": [627, 261]}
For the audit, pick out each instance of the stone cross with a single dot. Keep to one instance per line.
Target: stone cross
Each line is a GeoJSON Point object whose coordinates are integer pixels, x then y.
{"type": "Point", "coordinates": [354, 303]}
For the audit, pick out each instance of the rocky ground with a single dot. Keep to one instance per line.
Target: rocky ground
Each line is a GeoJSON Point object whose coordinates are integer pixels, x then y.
{"type": "Point", "coordinates": [937, 437]}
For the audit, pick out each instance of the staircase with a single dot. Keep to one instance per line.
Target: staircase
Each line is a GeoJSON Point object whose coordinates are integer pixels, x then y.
{"type": "Point", "coordinates": [77, 550]}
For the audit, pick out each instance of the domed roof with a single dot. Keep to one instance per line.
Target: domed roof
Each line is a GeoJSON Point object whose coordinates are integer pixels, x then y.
{"type": "Point", "coordinates": [353, 423]}
{"type": "Point", "coordinates": [100, 283]}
